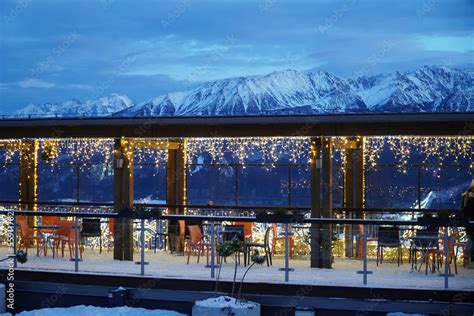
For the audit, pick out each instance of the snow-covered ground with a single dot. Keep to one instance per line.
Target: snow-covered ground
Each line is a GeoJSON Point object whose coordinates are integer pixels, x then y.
{"type": "Point", "coordinates": [82, 310]}
{"type": "Point", "coordinates": [165, 265]}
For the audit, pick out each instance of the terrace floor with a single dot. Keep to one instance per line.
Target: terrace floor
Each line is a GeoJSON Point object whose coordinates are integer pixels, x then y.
{"type": "Point", "coordinates": [166, 265]}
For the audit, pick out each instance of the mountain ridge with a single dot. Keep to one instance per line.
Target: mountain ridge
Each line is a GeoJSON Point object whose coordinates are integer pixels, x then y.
{"type": "Point", "coordinates": [426, 89]}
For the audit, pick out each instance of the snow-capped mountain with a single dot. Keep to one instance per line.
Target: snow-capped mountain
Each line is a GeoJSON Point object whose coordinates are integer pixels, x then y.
{"type": "Point", "coordinates": [100, 107]}
{"type": "Point", "coordinates": [427, 89]}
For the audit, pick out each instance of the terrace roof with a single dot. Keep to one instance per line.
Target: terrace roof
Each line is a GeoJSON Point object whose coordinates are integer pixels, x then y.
{"type": "Point", "coordinates": [416, 124]}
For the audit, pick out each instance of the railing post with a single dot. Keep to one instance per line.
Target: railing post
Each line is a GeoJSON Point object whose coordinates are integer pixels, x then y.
{"type": "Point", "coordinates": [213, 250]}
{"type": "Point", "coordinates": [287, 250]}
{"type": "Point", "coordinates": [142, 241]}
{"type": "Point", "coordinates": [446, 259]}
{"type": "Point", "coordinates": [15, 262]}
{"type": "Point", "coordinates": [364, 271]}
{"type": "Point", "coordinates": [76, 244]}
{"type": "Point", "coordinates": [287, 268]}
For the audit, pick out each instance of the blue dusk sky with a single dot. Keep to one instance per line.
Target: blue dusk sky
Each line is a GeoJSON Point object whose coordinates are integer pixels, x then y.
{"type": "Point", "coordinates": [56, 50]}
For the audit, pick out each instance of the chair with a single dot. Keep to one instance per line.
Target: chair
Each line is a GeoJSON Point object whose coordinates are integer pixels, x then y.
{"type": "Point", "coordinates": [230, 232]}
{"type": "Point", "coordinates": [265, 245]}
{"type": "Point", "coordinates": [27, 237]}
{"type": "Point", "coordinates": [91, 228]}
{"type": "Point", "coordinates": [437, 256]}
{"type": "Point", "coordinates": [276, 237]}
{"type": "Point", "coordinates": [181, 235]}
{"type": "Point", "coordinates": [195, 242]}
{"type": "Point", "coordinates": [110, 236]}
{"type": "Point", "coordinates": [360, 241]}
{"type": "Point", "coordinates": [248, 230]}
{"type": "Point", "coordinates": [66, 235]}
{"type": "Point", "coordinates": [426, 246]}
{"type": "Point", "coordinates": [389, 237]}
{"type": "Point", "coordinates": [50, 220]}
{"type": "Point", "coordinates": [160, 235]}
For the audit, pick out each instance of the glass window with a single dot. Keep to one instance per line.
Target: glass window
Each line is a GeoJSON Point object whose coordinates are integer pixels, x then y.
{"type": "Point", "coordinates": [96, 183]}
{"type": "Point", "coordinates": [211, 183]}
{"type": "Point", "coordinates": [9, 177]}
{"type": "Point", "coordinates": [258, 185]}
{"type": "Point", "coordinates": [300, 186]}
{"type": "Point", "coordinates": [388, 187]}
{"type": "Point", "coordinates": [442, 187]}
{"type": "Point", "coordinates": [57, 182]}
{"type": "Point", "coordinates": [150, 184]}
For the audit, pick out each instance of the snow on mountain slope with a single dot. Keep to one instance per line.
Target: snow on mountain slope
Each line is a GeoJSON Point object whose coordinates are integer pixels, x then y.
{"type": "Point", "coordinates": [427, 89]}
{"type": "Point", "coordinates": [423, 90]}
{"type": "Point", "coordinates": [100, 107]}
{"type": "Point", "coordinates": [278, 92]}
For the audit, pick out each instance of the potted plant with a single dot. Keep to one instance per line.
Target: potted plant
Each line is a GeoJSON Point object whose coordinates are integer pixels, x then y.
{"type": "Point", "coordinates": [233, 304]}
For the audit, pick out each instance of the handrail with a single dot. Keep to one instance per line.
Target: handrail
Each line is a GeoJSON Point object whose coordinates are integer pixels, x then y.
{"type": "Point", "coordinates": [240, 207]}
{"type": "Point", "coordinates": [352, 221]}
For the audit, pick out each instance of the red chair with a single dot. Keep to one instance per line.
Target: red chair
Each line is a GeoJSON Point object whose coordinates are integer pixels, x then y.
{"type": "Point", "coordinates": [28, 237]}
{"type": "Point", "coordinates": [437, 258]}
{"type": "Point", "coordinates": [195, 242]}
{"type": "Point", "coordinates": [110, 236]}
{"type": "Point", "coordinates": [248, 229]}
{"type": "Point", "coordinates": [181, 234]}
{"type": "Point", "coordinates": [360, 241]}
{"type": "Point", "coordinates": [66, 235]}
{"type": "Point", "coordinates": [277, 237]}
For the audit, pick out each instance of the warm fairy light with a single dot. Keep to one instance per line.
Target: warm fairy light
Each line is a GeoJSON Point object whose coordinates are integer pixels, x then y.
{"type": "Point", "coordinates": [243, 149]}
{"type": "Point", "coordinates": [436, 149]}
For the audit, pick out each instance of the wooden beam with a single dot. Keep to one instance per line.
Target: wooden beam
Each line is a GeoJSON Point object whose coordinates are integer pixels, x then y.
{"type": "Point", "coordinates": [28, 176]}
{"type": "Point", "coordinates": [326, 245]}
{"type": "Point", "coordinates": [348, 200]}
{"type": "Point", "coordinates": [359, 185]}
{"type": "Point", "coordinates": [176, 178]}
{"type": "Point", "coordinates": [344, 143]}
{"type": "Point", "coordinates": [123, 198]}
{"type": "Point", "coordinates": [315, 230]}
{"type": "Point", "coordinates": [152, 144]}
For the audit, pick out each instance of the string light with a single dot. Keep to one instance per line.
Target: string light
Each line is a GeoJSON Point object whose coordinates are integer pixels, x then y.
{"type": "Point", "coordinates": [434, 150]}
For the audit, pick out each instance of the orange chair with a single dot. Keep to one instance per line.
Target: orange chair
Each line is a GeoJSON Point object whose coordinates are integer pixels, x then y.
{"type": "Point", "coordinates": [276, 237]}
{"type": "Point", "coordinates": [437, 257]}
{"type": "Point", "coordinates": [181, 234]}
{"type": "Point", "coordinates": [195, 242]}
{"type": "Point", "coordinates": [66, 235]}
{"type": "Point", "coordinates": [111, 233]}
{"type": "Point", "coordinates": [50, 220]}
{"type": "Point", "coordinates": [360, 241]}
{"type": "Point", "coordinates": [27, 237]}
{"type": "Point", "coordinates": [248, 229]}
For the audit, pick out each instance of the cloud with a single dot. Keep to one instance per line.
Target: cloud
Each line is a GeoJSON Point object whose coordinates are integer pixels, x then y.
{"type": "Point", "coordinates": [461, 44]}
{"type": "Point", "coordinates": [35, 83]}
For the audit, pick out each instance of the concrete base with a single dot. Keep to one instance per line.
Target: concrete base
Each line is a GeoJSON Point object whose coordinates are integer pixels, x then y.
{"type": "Point", "coordinates": [224, 306]}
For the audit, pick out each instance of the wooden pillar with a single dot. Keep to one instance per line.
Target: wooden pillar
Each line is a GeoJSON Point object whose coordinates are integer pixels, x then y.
{"type": "Point", "coordinates": [315, 230]}
{"type": "Point", "coordinates": [349, 200]}
{"type": "Point", "coordinates": [326, 245]}
{"type": "Point", "coordinates": [28, 176]}
{"type": "Point", "coordinates": [359, 177]}
{"type": "Point", "coordinates": [176, 179]}
{"type": "Point", "coordinates": [123, 198]}
{"type": "Point", "coordinates": [359, 186]}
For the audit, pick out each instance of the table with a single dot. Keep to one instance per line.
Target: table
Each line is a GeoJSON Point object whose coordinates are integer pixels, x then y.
{"type": "Point", "coordinates": [46, 235]}
{"type": "Point", "coordinates": [426, 243]}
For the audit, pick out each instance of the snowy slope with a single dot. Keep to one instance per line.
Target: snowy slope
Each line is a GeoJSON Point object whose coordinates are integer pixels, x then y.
{"type": "Point", "coordinates": [427, 89]}
{"type": "Point", "coordinates": [100, 107]}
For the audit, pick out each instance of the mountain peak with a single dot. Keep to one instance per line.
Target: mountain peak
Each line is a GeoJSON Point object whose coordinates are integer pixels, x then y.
{"type": "Point", "coordinates": [426, 89]}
